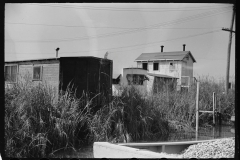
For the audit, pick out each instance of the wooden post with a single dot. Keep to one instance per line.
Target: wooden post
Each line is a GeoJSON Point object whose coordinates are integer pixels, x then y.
{"type": "Point", "coordinates": [216, 112]}
{"type": "Point", "coordinates": [220, 118]}
{"type": "Point", "coordinates": [214, 131]}
{"type": "Point", "coordinates": [214, 109]}
{"type": "Point", "coordinates": [197, 110]}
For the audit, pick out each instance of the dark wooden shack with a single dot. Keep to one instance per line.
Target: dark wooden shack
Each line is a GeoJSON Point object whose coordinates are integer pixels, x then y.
{"type": "Point", "coordinates": [90, 75]}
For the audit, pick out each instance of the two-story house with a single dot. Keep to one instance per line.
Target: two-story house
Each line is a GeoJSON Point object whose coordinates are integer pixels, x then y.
{"type": "Point", "coordinates": [178, 64]}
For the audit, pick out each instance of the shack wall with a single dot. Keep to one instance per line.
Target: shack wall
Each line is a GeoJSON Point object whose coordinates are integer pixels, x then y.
{"type": "Point", "coordinates": [89, 75]}
{"type": "Point", "coordinates": [50, 74]}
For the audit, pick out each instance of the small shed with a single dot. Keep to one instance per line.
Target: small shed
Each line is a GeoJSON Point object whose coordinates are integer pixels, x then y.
{"type": "Point", "coordinates": [90, 75]}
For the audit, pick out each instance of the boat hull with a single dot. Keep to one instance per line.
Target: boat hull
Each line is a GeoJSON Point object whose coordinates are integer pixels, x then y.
{"type": "Point", "coordinates": [142, 150]}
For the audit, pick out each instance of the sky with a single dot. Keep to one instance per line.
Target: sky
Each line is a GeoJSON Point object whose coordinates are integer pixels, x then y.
{"type": "Point", "coordinates": [124, 30]}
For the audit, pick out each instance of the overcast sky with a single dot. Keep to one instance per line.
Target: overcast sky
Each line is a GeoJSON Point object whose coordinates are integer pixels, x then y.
{"type": "Point", "coordinates": [125, 30]}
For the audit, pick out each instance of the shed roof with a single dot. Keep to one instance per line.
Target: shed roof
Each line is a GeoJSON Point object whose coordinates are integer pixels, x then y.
{"type": "Point", "coordinates": [177, 55]}
{"type": "Point", "coordinates": [51, 59]}
{"type": "Point", "coordinates": [31, 60]}
{"type": "Point", "coordinates": [160, 75]}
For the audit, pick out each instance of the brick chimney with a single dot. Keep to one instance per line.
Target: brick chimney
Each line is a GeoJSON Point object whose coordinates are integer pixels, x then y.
{"type": "Point", "coordinates": [162, 48]}
{"type": "Point", "coordinates": [184, 47]}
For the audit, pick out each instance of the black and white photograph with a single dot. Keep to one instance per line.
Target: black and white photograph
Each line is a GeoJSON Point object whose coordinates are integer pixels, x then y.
{"type": "Point", "coordinates": [119, 80]}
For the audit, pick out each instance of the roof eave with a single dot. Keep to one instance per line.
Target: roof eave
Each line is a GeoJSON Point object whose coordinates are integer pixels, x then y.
{"type": "Point", "coordinates": [159, 60]}
{"type": "Point", "coordinates": [192, 57]}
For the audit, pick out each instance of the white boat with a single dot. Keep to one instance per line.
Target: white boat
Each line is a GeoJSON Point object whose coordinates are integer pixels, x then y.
{"type": "Point", "coordinates": [142, 150]}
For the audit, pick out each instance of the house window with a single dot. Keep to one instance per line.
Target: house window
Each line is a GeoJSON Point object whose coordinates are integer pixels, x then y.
{"type": "Point", "coordinates": [172, 66]}
{"type": "Point", "coordinates": [155, 66]}
{"type": "Point", "coordinates": [11, 73]}
{"type": "Point", "coordinates": [37, 73]}
{"type": "Point", "coordinates": [145, 66]}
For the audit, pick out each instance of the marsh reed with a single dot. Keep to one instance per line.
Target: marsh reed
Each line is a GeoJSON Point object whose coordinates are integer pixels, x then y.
{"type": "Point", "coordinates": [36, 125]}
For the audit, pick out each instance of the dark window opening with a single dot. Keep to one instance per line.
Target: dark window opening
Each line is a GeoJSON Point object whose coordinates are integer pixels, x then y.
{"type": "Point", "coordinates": [11, 73]}
{"type": "Point", "coordinates": [37, 73]}
{"type": "Point", "coordinates": [155, 66]}
{"type": "Point", "coordinates": [145, 66]}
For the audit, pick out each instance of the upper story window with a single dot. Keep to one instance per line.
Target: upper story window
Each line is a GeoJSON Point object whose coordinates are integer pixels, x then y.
{"type": "Point", "coordinates": [37, 73]}
{"type": "Point", "coordinates": [145, 66]}
{"type": "Point", "coordinates": [172, 66]}
{"type": "Point", "coordinates": [155, 66]}
{"type": "Point", "coordinates": [11, 73]}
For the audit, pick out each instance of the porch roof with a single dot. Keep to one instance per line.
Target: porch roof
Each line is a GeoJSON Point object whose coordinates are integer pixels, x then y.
{"type": "Point", "coordinates": [161, 75]}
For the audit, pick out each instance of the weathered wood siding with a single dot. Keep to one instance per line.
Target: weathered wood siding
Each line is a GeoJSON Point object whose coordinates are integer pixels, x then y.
{"type": "Point", "coordinates": [50, 73]}
{"type": "Point", "coordinates": [187, 68]}
{"type": "Point", "coordinates": [87, 75]}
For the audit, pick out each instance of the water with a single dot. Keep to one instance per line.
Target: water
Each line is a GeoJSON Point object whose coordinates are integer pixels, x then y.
{"type": "Point", "coordinates": [204, 134]}
{"type": "Point", "coordinates": [84, 152]}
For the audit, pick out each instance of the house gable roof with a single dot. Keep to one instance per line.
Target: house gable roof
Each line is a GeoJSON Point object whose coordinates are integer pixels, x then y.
{"type": "Point", "coordinates": [178, 55]}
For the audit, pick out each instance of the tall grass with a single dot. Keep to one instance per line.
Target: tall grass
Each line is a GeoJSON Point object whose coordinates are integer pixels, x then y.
{"type": "Point", "coordinates": [35, 126]}
{"type": "Point", "coordinates": [38, 125]}
{"type": "Point", "coordinates": [179, 108]}
{"type": "Point", "coordinates": [129, 117]}
{"type": "Point", "coordinates": [225, 102]}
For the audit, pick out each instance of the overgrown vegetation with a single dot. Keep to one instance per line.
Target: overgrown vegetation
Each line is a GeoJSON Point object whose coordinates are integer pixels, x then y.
{"type": "Point", "coordinates": [38, 124]}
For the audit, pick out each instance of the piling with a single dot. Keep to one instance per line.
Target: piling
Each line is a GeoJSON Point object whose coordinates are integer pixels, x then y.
{"type": "Point", "coordinates": [197, 110]}
{"type": "Point", "coordinates": [214, 123]}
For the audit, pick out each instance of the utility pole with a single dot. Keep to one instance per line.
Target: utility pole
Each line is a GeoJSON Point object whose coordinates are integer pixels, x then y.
{"type": "Point", "coordinates": [229, 50]}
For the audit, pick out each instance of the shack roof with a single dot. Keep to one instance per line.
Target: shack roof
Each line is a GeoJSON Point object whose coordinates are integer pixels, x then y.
{"type": "Point", "coordinates": [49, 59]}
{"type": "Point", "coordinates": [177, 55]}
{"type": "Point", "coordinates": [160, 75]}
{"type": "Point", "coordinates": [31, 60]}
